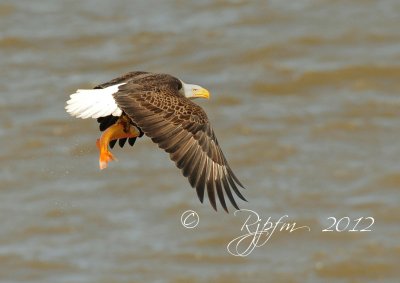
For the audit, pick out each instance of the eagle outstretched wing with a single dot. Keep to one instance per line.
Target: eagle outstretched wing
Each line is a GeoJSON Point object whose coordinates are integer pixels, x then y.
{"type": "Point", "coordinates": [182, 129]}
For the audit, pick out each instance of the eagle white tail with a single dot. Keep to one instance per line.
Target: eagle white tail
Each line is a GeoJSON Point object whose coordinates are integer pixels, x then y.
{"type": "Point", "coordinates": [93, 103]}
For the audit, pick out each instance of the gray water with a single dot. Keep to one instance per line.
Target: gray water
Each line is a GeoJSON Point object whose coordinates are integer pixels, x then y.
{"type": "Point", "coordinates": [305, 105]}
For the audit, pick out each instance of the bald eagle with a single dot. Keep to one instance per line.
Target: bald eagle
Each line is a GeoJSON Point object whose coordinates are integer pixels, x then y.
{"type": "Point", "coordinates": [160, 107]}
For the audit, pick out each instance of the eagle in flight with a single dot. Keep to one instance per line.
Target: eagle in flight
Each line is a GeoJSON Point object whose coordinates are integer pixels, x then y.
{"type": "Point", "coordinates": [160, 106]}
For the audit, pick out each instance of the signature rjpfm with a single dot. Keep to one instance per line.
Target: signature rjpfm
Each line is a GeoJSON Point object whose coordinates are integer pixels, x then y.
{"type": "Point", "coordinates": [257, 233]}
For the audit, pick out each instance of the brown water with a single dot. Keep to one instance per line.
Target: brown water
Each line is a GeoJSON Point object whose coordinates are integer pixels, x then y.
{"type": "Point", "coordinates": [305, 105]}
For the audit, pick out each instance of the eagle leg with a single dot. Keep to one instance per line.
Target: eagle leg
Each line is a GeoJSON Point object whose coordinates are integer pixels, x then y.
{"type": "Point", "coordinates": [121, 129]}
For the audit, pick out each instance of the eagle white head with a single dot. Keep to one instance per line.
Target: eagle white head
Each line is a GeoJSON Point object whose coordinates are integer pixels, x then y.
{"type": "Point", "coordinates": [194, 91]}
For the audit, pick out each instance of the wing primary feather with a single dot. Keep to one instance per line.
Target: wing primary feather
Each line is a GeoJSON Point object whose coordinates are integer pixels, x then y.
{"type": "Point", "coordinates": [211, 193]}
{"type": "Point", "coordinates": [230, 172]}
{"type": "Point", "coordinates": [192, 156]}
{"type": "Point", "coordinates": [201, 185]}
{"type": "Point", "coordinates": [228, 192]}
{"type": "Point", "coordinates": [220, 191]}
{"type": "Point", "coordinates": [176, 141]}
{"type": "Point", "coordinates": [200, 168]}
{"type": "Point", "coordinates": [177, 147]}
{"type": "Point", "coordinates": [234, 187]}
{"type": "Point", "coordinates": [194, 169]}
{"type": "Point", "coordinates": [184, 154]}
{"type": "Point", "coordinates": [201, 182]}
{"type": "Point", "coordinates": [197, 168]}
{"type": "Point", "coordinates": [206, 172]}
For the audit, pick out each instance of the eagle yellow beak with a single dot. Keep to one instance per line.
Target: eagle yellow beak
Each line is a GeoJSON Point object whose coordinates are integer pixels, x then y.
{"type": "Point", "coordinates": [201, 93]}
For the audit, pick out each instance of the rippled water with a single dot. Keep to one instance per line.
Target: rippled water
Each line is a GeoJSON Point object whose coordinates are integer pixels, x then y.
{"type": "Point", "coordinates": [305, 105]}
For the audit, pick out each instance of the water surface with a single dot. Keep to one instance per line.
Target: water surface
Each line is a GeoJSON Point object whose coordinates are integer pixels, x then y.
{"type": "Point", "coordinates": [305, 105]}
